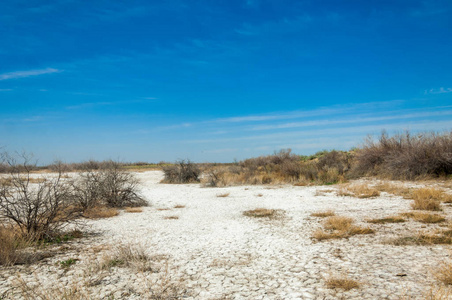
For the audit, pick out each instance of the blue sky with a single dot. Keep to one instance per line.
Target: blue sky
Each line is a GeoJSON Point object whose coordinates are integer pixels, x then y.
{"type": "Point", "coordinates": [218, 80]}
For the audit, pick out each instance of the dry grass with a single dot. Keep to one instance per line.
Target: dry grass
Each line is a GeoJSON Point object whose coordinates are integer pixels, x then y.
{"type": "Point", "coordinates": [395, 189]}
{"type": "Point", "coordinates": [358, 191]}
{"type": "Point", "coordinates": [99, 212]}
{"type": "Point", "coordinates": [171, 217]}
{"type": "Point", "coordinates": [323, 214]}
{"type": "Point", "coordinates": [424, 217]}
{"type": "Point", "coordinates": [341, 282]}
{"type": "Point", "coordinates": [11, 243]}
{"type": "Point", "coordinates": [444, 273]}
{"type": "Point", "coordinates": [439, 293]}
{"type": "Point", "coordinates": [179, 206]}
{"type": "Point", "coordinates": [133, 209]}
{"type": "Point", "coordinates": [162, 209]}
{"type": "Point", "coordinates": [426, 203]}
{"type": "Point", "coordinates": [132, 256]}
{"type": "Point", "coordinates": [336, 227]}
{"type": "Point", "coordinates": [391, 219]}
{"type": "Point", "coordinates": [422, 239]}
{"type": "Point", "coordinates": [224, 195]}
{"type": "Point", "coordinates": [260, 213]}
{"type": "Point", "coordinates": [259, 195]}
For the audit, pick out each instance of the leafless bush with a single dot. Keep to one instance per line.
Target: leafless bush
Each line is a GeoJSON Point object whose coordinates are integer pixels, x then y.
{"type": "Point", "coordinates": [38, 208]}
{"type": "Point", "coordinates": [184, 171]}
{"type": "Point", "coordinates": [111, 186]}
{"type": "Point", "coordinates": [406, 156]}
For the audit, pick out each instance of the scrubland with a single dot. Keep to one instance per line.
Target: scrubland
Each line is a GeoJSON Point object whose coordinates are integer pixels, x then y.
{"type": "Point", "coordinates": [370, 223]}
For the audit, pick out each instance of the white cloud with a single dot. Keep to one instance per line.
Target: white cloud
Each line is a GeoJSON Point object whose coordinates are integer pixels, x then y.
{"type": "Point", "coordinates": [23, 74]}
{"type": "Point", "coordinates": [441, 90]}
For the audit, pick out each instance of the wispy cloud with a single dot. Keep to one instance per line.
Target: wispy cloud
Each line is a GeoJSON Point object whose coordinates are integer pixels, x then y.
{"type": "Point", "coordinates": [5, 90]}
{"type": "Point", "coordinates": [23, 74]}
{"type": "Point", "coordinates": [355, 119]}
{"type": "Point", "coordinates": [441, 90]}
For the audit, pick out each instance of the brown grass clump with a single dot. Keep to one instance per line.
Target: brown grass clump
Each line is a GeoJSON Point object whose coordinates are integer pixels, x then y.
{"type": "Point", "coordinates": [425, 217]}
{"type": "Point", "coordinates": [10, 243]}
{"type": "Point", "coordinates": [99, 212]}
{"type": "Point", "coordinates": [128, 256]}
{"type": "Point", "coordinates": [179, 206]}
{"type": "Point", "coordinates": [224, 195]}
{"type": "Point", "coordinates": [444, 273]}
{"type": "Point", "coordinates": [323, 214]}
{"type": "Point", "coordinates": [133, 209]}
{"type": "Point", "coordinates": [426, 204]}
{"type": "Point", "coordinates": [171, 217]}
{"type": "Point", "coordinates": [341, 282]}
{"type": "Point", "coordinates": [339, 227]}
{"type": "Point", "coordinates": [391, 219]}
{"type": "Point", "coordinates": [260, 213]}
{"type": "Point", "coordinates": [359, 191]}
{"type": "Point", "coordinates": [395, 189]}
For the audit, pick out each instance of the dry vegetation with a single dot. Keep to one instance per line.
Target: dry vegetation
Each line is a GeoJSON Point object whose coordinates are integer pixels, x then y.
{"type": "Point", "coordinates": [358, 191]}
{"type": "Point", "coordinates": [133, 209]}
{"type": "Point", "coordinates": [336, 227]}
{"type": "Point", "coordinates": [224, 195]}
{"type": "Point", "coordinates": [390, 219]}
{"type": "Point", "coordinates": [424, 217]}
{"type": "Point", "coordinates": [260, 213]}
{"type": "Point", "coordinates": [341, 282]}
{"type": "Point", "coordinates": [323, 214]}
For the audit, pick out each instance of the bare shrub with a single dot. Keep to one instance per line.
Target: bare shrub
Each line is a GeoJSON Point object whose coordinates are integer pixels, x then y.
{"type": "Point", "coordinates": [406, 156]}
{"type": "Point", "coordinates": [39, 209]}
{"type": "Point", "coordinates": [111, 186]}
{"type": "Point", "coordinates": [183, 171]}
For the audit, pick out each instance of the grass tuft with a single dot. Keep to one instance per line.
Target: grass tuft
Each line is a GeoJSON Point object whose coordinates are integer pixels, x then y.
{"type": "Point", "coordinates": [341, 282]}
{"type": "Point", "coordinates": [224, 195]}
{"type": "Point", "coordinates": [133, 209]}
{"type": "Point", "coordinates": [323, 214]}
{"type": "Point", "coordinates": [99, 212]}
{"type": "Point", "coordinates": [425, 217]}
{"type": "Point", "coordinates": [337, 227]}
{"type": "Point", "coordinates": [260, 213]}
{"type": "Point", "coordinates": [359, 191]}
{"type": "Point", "coordinates": [391, 219]}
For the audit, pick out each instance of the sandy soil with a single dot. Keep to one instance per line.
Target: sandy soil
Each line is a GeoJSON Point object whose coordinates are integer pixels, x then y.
{"type": "Point", "coordinates": [208, 249]}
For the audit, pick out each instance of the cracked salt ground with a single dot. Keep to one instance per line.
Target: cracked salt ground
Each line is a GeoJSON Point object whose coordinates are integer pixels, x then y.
{"type": "Point", "coordinates": [219, 253]}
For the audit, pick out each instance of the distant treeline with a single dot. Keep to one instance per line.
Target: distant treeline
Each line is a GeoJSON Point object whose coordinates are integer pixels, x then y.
{"type": "Point", "coordinates": [401, 156]}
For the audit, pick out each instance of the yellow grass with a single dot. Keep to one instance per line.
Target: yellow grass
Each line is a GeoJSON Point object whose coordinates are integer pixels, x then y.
{"type": "Point", "coordinates": [100, 212]}
{"type": "Point", "coordinates": [133, 209]}
{"type": "Point", "coordinates": [358, 191]}
{"type": "Point", "coordinates": [424, 217]}
{"type": "Point", "coordinates": [390, 219]}
{"type": "Point", "coordinates": [323, 214]}
{"type": "Point", "coordinates": [341, 282]}
{"type": "Point", "coordinates": [336, 227]}
{"type": "Point", "coordinates": [444, 273]}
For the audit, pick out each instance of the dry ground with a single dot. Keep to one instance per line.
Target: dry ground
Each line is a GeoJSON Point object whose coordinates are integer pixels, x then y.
{"type": "Point", "coordinates": [192, 243]}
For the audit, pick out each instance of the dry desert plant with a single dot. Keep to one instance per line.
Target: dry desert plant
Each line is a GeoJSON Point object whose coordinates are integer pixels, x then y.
{"type": "Point", "coordinates": [224, 195]}
{"type": "Point", "coordinates": [260, 213]}
{"type": "Point", "coordinates": [133, 209]}
{"type": "Point", "coordinates": [100, 212]}
{"type": "Point", "coordinates": [339, 227]}
{"type": "Point", "coordinates": [341, 282]}
{"type": "Point", "coordinates": [183, 171]}
{"type": "Point", "coordinates": [323, 214]}
{"type": "Point", "coordinates": [424, 217]}
{"type": "Point", "coordinates": [39, 209]}
{"type": "Point", "coordinates": [358, 191]}
{"type": "Point", "coordinates": [390, 219]}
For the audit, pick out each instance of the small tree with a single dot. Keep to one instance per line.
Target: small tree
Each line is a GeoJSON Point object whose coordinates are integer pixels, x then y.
{"type": "Point", "coordinates": [38, 207]}
{"type": "Point", "coordinates": [183, 171]}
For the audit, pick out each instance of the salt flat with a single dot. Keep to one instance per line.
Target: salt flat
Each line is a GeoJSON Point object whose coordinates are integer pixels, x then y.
{"type": "Point", "coordinates": [210, 250]}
